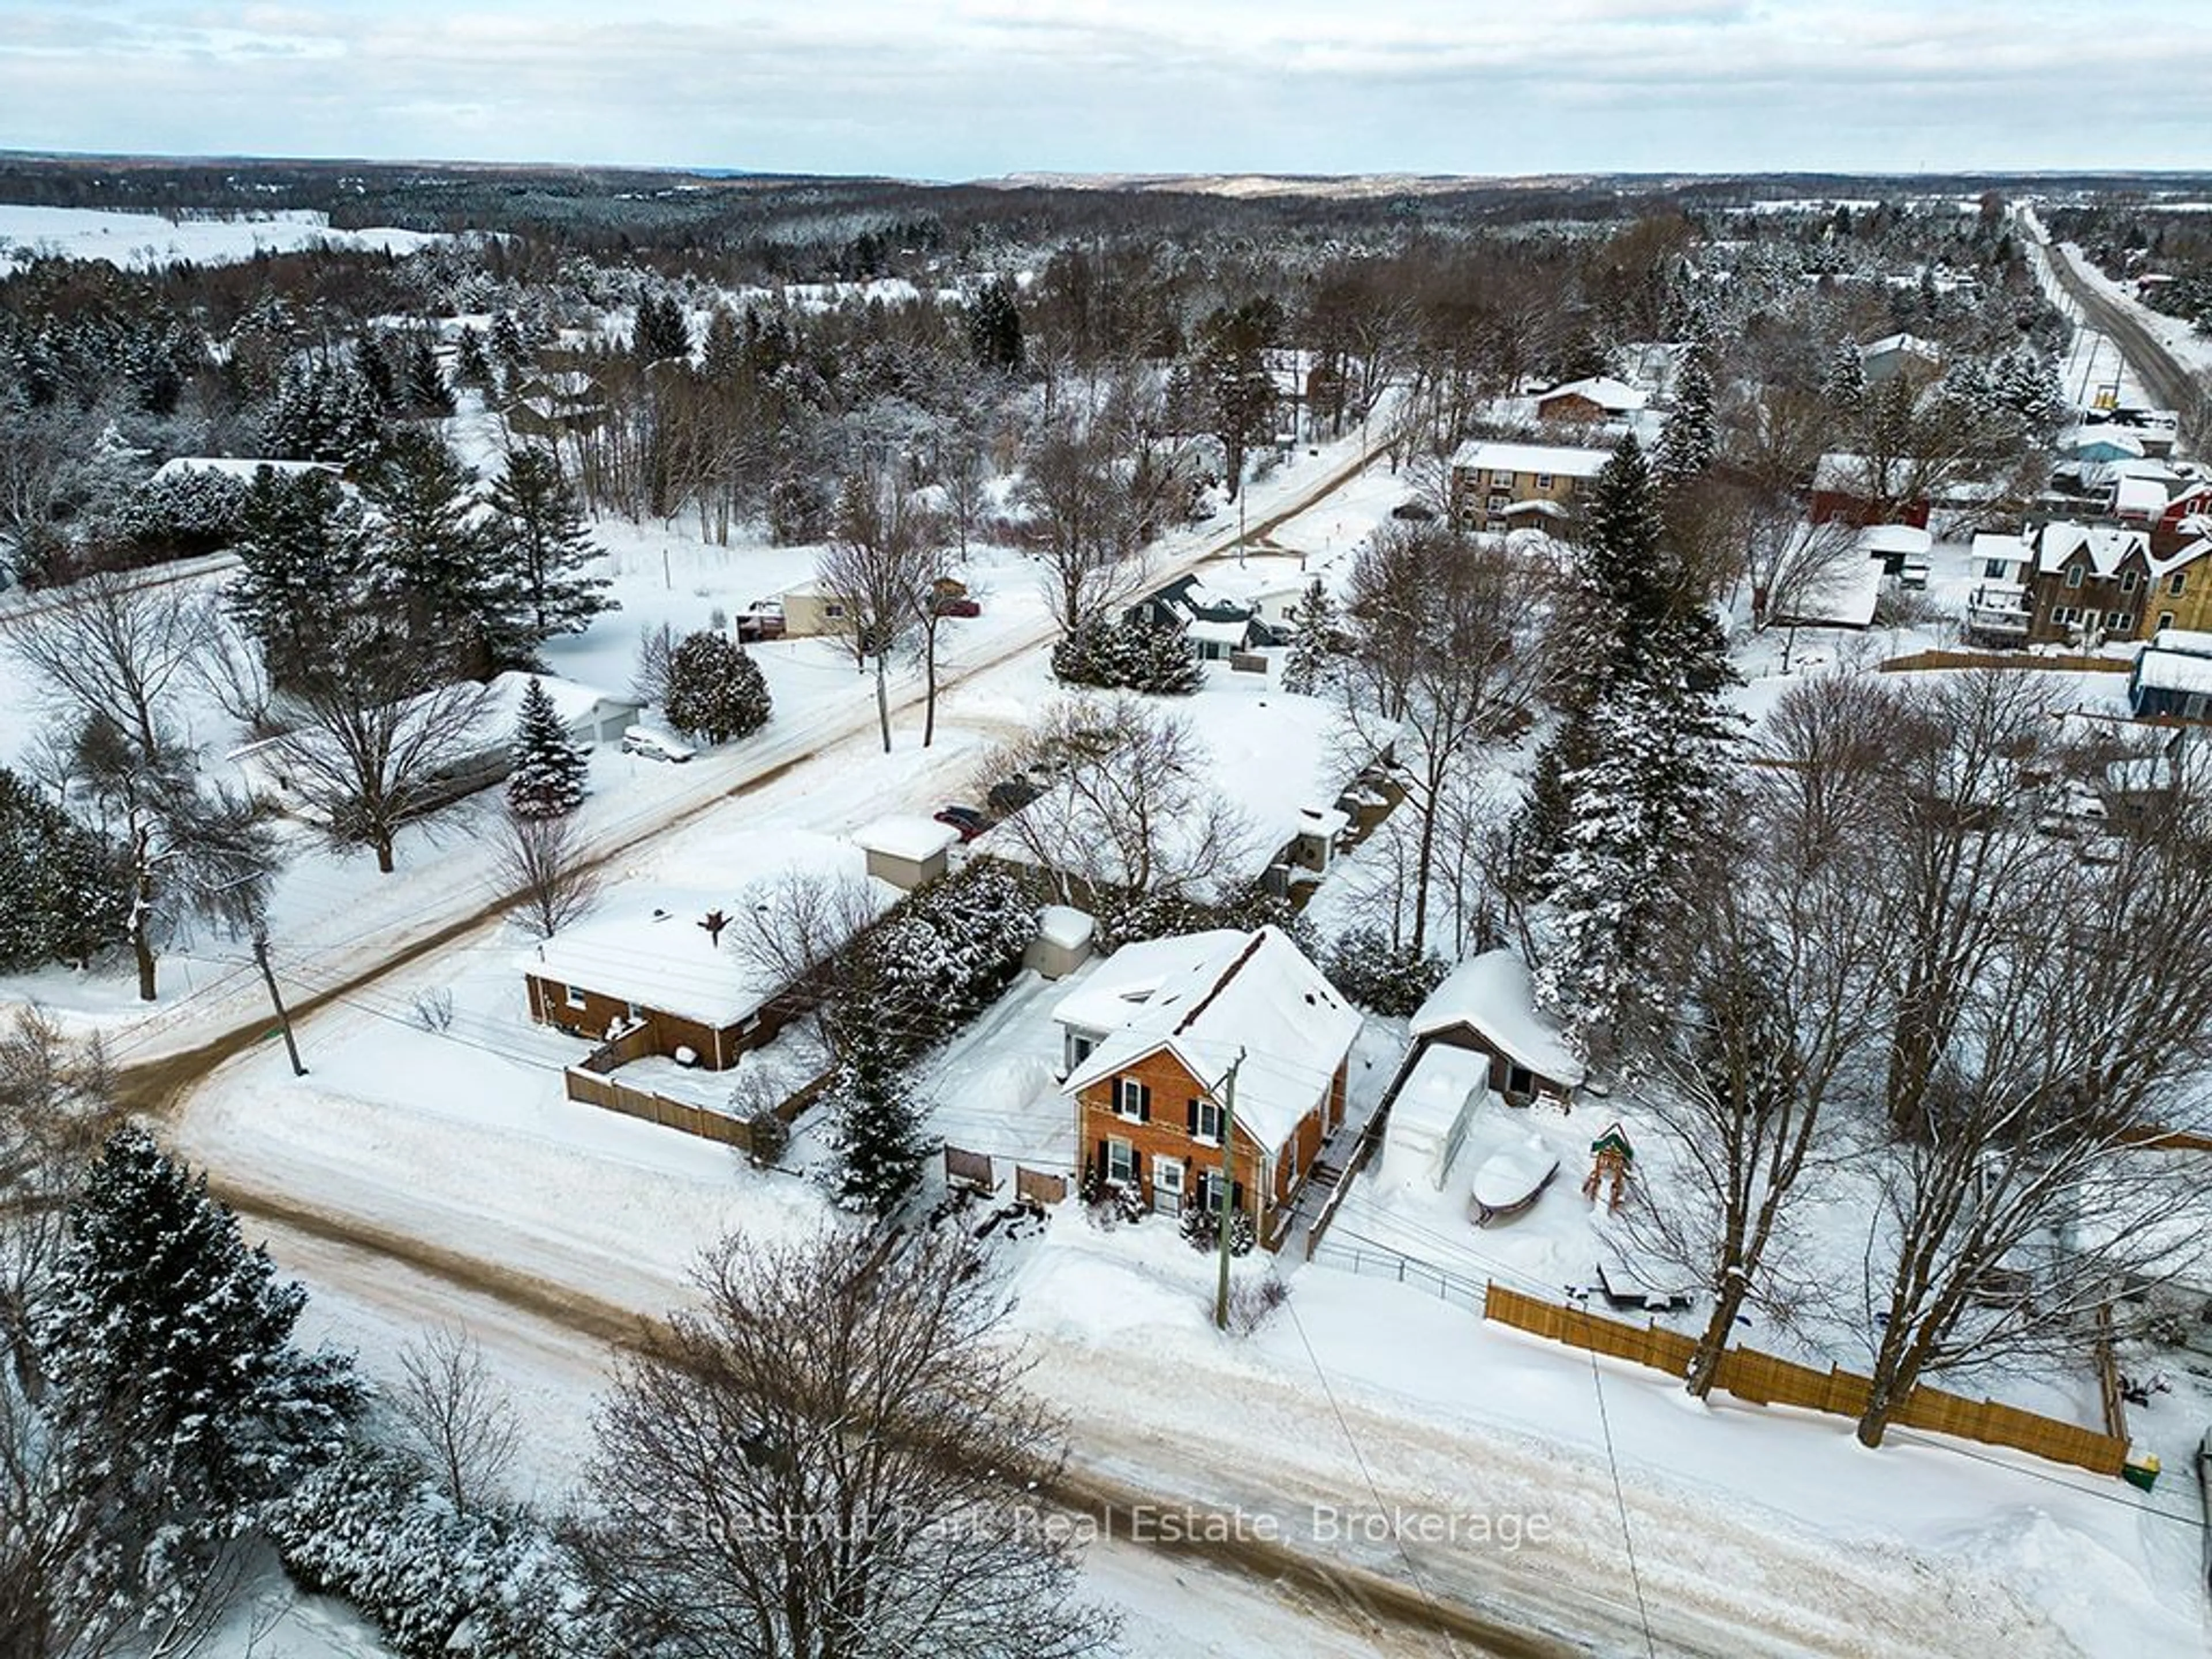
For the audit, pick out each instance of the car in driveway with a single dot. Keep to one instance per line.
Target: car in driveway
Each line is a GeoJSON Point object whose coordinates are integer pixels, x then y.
{"type": "Point", "coordinates": [966, 819]}
{"type": "Point", "coordinates": [1011, 794]}
{"type": "Point", "coordinates": [656, 745]}
{"type": "Point", "coordinates": [955, 604]}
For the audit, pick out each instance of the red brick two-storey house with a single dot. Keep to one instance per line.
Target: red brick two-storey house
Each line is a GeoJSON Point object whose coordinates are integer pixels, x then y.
{"type": "Point", "coordinates": [1153, 1036]}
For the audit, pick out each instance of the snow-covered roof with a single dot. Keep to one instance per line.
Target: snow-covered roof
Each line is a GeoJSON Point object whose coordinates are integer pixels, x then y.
{"type": "Point", "coordinates": [1254, 994]}
{"type": "Point", "coordinates": [645, 944]}
{"type": "Point", "coordinates": [1614, 397]}
{"type": "Point", "coordinates": [1065, 926]}
{"type": "Point", "coordinates": [1429, 1101]}
{"type": "Point", "coordinates": [1842, 594]}
{"type": "Point", "coordinates": [2057, 544]}
{"type": "Point", "coordinates": [1892, 540]}
{"type": "Point", "coordinates": [2142, 496]}
{"type": "Point", "coordinates": [1891, 345]}
{"type": "Point", "coordinates": [1119, 984]}
{"type": "Point", "coordinates": [1554, 459]}
{"type": "Point", "coordinates": [233, 466]}
{"type": "Point", "coordinates": [572, 700]}
{"type": "Point", "coordinates": [1218, 633]}
{"type": "Point", "coordinates": [2103, 442]}
{"type": "Point", "coordinates": [1326, 821]}
{"type": "Point", "coordinates": [907, 836]}
{"type": "Point", "coordinates": [2190, 641]}
{"type": "Point", "coordinates": [1991, 545]}
{"type": "Point", "coordinates": [2160, 669]}
{"type": "Point", "coordinates": [1494, 996]}
{"type": "Point", "coordinates": [1846, 474]}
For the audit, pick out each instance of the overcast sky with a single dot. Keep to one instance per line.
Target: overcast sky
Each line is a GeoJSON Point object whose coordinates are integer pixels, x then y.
{"type": "Point", "coordinates": [966, 88]}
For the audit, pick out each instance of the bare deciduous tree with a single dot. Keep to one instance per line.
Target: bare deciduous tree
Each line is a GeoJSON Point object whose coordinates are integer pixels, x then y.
{"type": "Point", "coordinates": [835, 1456]}
{"type": "Point", "coordinates": [879, 567]}
{"type": "Point", "coordinates": [1085, 533]}
{"type": "Point", "coordinates": [1132, 807]}
{"type": "Point", "coordinates": [1443, 661]}
{"type": "Point", "coordinates": [540, 861]}
{"type": "Point", "coordinates": [379, 731]}
{"type": "Point", "coordinates": [461, 1420]}
{"type": "Point", "coordinates": [109, 649]}
{"type": "Point", "coordinates": [793, 933]}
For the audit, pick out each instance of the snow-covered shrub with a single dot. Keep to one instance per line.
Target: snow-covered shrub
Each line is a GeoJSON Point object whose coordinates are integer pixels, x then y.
{"type": "Point", "coordinates": [1110, 1203]}
{"type": "Point", "coordinates": [945, 951]}
{"type": "Point", "coordinates": [1387, 979]}
{"type": "Point", "coordinates": [716, 691]}
{"type": "Point", "coordinates": [1252, 1300]}
{"type": "Point", "coordinates": [182, 514]}
{"type": "Point", "coordinates": [1131, 655]}
{"type": "Point", "coordinates": [372, 1529]}
{"type": "Point", "coordinates": [1201, 1227]}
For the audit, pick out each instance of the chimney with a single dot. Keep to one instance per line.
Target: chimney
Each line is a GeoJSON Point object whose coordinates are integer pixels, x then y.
{"type": "Point", "coordinates": [713, 921]}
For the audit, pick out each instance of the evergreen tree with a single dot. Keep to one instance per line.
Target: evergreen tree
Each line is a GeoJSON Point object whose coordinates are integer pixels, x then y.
{"type": "Point", "coordinates": [547, 546]}
{"type": "Point", "coordinates": [324, 411]}
{"type": "Point", "coordinates": [62, 894]}
{"type": "Point", "coordinates": [471, 367]}
{"type": "Point", "coordinates": [1691, 437]}
{"type": "Point", "coordinates": [1313, 645]}
{"type": "Point", "coordinates": [424, 389]}
{"type": "Point", "coordinates": [722, 358]}
{"type": "Point", "coordinates": [435, 555]}
{"type": "Point", "coordinates": [304, 554]}
{"type": "Point", "coordinates": [510, 352]}
{"type": "Point", "coordinates": [373, 359]}
{"type": "Point", "coordinates": [550, 772]}
{"type": "Point", "coordinates": [716, 691]}
{"type": "Point", "coordinates": [163, 1338]}
{"type": "Point", "coordinates": [1644, 817]}
{"type": "Point", "coordinates": [994, 327]}
{"type": "Point", "coordinates": [875, 1128]}
{"type": "Point", "coordinates": [1844, 383]}
{"type": "Point", "coordinates": [661, 330]}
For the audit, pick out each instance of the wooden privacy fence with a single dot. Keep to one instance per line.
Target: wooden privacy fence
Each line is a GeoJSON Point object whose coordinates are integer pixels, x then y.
{"type": "Point", "coordinates": [976, 1170]}
{"type": "Point", "coordinates": [1038, 1186]}
{"type": "Point", "coordinates": [593, 1082]}
{"type": "Point", "coordinates": [597, 1091]}
{"type": "Point", "coordinates": [1765, 1380]}
{"type": "Point", "coordinates": [1919, 660]}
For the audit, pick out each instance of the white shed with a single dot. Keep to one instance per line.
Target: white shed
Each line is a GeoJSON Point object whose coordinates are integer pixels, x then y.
{"type": "Point", "coordinates": [907, 851]}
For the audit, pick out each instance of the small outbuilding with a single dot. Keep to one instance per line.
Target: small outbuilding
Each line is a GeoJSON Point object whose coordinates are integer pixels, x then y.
{"type": "Point", "coordinates": [907, 851]}
{"type": "Point", "coordinates": [1488, 1004]}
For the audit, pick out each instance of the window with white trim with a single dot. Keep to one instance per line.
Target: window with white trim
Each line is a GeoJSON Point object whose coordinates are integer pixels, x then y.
{"type": "Point", "coordinates": [1132, 1099]}
{"type": "Point", "coordinates": [2178, 582]}
{"type": "Point", "coordinates": [2074, 577]}
{"type": "Point", "coordinates": [1120, 1160]}
{"type": "Point", "coordinates": [1205, 1120]}
{"type": "Point", "coordinates": [578, 998]}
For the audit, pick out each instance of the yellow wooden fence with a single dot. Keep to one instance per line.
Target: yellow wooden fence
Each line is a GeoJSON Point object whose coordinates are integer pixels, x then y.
{"type": "Point", "coordinates": [1765, 1380]}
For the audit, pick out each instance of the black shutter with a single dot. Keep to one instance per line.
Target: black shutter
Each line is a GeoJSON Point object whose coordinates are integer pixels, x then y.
{"type": "Point", "coordinates": [1193, 1119]}
{"type": "Point", "coordinates": [1236, 1194]}
{"type": "Point", "coordinates": [1144, 1103]}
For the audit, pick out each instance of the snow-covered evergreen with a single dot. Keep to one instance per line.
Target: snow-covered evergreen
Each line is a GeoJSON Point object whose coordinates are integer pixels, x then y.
{"type": "Point", "coordinates": [549, 773]}
{"type": "Point", "coordinates": [1313, 645]}
{"type": "Point", "coordinates": [876, 1128]}
{"type": "Point", "coordinates": [164, 1339]}
{"type": "Point", "coordinates": [547, 547]}
{"type": "Point", "coordinates": [63, 897]}
{"type": "Point", "coordinates": [716, 691]}
{"type": "Point", "coordinates": [1132, 656]}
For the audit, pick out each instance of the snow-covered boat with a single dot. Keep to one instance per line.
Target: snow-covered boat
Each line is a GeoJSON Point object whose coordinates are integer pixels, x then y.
{"type": "Point", "coordinates": [1508, 1182]}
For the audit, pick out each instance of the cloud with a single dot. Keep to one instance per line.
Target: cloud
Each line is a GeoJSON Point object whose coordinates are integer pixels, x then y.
{"type": "Point", "coordinates": [960, 88]}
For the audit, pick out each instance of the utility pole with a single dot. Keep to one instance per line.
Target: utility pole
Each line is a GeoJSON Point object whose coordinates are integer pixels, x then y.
{"type": "Point", "coordinates": [276, 997]}
{"type": "Point", "coordinates": [1228, 1188]}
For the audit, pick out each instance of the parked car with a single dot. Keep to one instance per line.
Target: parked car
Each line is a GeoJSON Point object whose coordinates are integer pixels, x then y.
{"type": "Point", "coordinates": [955, 604]}
{"type": "Point", "coordinates": [656, 745]}
{"type": "Point", "coordinates": [761, 620]}
{"type": "Point", "coordinates": [1013, 794]}
{"type": "Point", "coordinates": [966, 819]}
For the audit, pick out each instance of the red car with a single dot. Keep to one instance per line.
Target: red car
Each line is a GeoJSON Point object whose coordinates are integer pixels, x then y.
{"type": "Point", "coordinates": [966, 819]}
{"type": "Point", "coordinates": [955, 605]}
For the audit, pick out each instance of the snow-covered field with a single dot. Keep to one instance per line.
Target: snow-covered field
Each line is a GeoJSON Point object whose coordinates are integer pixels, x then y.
{"type": "Point", "coordinates": [146, 240]}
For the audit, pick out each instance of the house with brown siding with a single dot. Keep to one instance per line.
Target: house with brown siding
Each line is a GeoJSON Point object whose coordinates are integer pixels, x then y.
{"type": "Point", "coordinates": [1152, 1038]}
{"type": "Point", "coordinates": [664, 960]}
{"type": "Point", "coordinates": [1511, 486]}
